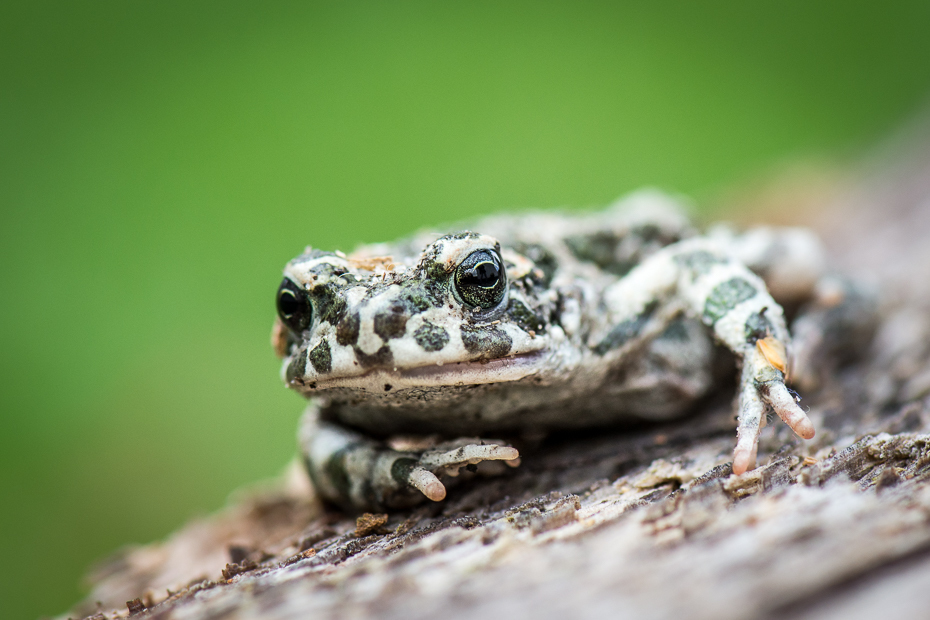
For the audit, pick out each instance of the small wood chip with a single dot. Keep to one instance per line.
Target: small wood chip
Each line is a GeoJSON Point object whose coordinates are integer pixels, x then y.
{"type": "Point", "coordinates": [135, 606]}
{"type": "Point", "coordinates": [232, 570]}
{"type": "Point", "coordinates": [368, 523]}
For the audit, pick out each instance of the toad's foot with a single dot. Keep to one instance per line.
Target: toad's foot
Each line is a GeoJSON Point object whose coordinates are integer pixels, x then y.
{"type": "Point", "coordinates": [763, 383]}
{"type": "Point", "coordinates": [361, 473]}
{"type": "Point", "coordinates": [449, 458]}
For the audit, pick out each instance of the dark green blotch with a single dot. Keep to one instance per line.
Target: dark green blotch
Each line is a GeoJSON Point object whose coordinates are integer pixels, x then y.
{"type": "Point", "coordinates": [335, 470]}
{"type": "Point", "coordinates": [525, 318]}
{"type": "Point", "coordinates": [430, 266]}
{"type": "Point", "coordinates": [297, 368]}
{"type": "Point", "coordinates": [329, 303]}
{"type": "Point", "coordinates": [726, 296]}
{"type": "Point", "coordinates": [597, 248]}
{"type": "Point", "coordinates": [625, 331]}
{"type": "Point", "coordinates": [488, 342]}
{"type": "Point", "coordinates": [416, 300]}
{"type": "Point", "coordinates": [321, 358]}
{"type": "Point", "coordinates": [431, 337]}
{"type": "Point", "coordinates": [391, 323]}
{"type": "Point", "coordinates": [648, 232]}
{"type": "Point", "coordinates": [435, 270]}
{"type": "Point", "coordinates": [758, 326]}
{"type": "Point", "coordinates": [347, 330]}
{"type": "Point", "coordinates": [699, 261]}
{"type": "Point", "coordinates": [600, 248]}
{"type": "Point", "coordinates": [676, 331]}
{"type": "Point", "coordinates": [380, 358]}
{"type": "Point", "coordinates": [400, 470]}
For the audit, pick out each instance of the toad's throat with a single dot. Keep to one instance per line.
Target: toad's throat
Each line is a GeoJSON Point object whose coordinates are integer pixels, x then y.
{"type": "Point", "coordinates": [499, 370]}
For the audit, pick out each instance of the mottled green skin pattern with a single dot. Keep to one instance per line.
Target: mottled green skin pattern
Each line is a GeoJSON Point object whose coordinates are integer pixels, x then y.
{"type": "Point", "coordinates": [604, 317]}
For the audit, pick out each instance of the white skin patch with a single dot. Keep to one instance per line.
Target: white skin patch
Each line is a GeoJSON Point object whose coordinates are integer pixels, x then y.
{"type": "Point", "coordinates": [368, 341]}
{"type": "Point", "coordinates": [644, 284]}
{"type": "Point", "coordinates": [453, 251]}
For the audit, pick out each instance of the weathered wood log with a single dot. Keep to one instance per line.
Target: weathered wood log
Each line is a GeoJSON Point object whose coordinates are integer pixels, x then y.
{"type": "Point", "coordinates": [638, 523]}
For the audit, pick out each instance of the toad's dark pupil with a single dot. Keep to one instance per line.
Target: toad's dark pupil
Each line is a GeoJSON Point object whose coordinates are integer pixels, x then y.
{"type": "Point", "coordinates": [288, 304]}
{"type": "Point", "coordinates": [293, 306]}
{"type": "Point", "coordinates": [483, 274]}
{"type": "Point", "coordinates": [480, 279]}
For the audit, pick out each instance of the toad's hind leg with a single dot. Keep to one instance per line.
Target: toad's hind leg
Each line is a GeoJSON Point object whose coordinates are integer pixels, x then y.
{"type": "Point", "coordinates": [359, 473]}
{"type": "Point", "coordinates": [703, 280]}
{"type": "Point", "coordinates": [835, 317]}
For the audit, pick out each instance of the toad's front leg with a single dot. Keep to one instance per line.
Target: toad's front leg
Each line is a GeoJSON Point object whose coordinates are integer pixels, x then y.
{"type": "Point", "coordinates": [360, 473]}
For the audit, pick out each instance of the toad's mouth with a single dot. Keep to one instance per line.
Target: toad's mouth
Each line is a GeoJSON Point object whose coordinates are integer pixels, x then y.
{"type": "Point", "coordinates": [498, 370]}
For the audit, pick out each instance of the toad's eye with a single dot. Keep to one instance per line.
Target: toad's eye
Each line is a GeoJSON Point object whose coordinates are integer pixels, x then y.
{"type": "Point", "coordinates": [480, 279]}
{"type": "Point", "coordinates": [293, 306]}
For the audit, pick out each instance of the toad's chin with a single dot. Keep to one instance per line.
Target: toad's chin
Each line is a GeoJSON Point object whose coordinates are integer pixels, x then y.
{"type": "Point", "coordinates": [501, 370]}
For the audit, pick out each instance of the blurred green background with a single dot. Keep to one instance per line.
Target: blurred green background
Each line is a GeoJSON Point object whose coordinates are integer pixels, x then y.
{"type": "Point", "coordinates": [160, 162]}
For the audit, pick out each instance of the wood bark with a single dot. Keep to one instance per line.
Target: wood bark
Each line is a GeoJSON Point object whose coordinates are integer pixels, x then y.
{"type": "Point", "coordinates": [638, 523]}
